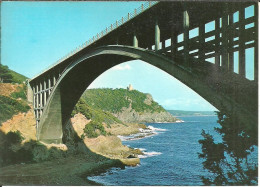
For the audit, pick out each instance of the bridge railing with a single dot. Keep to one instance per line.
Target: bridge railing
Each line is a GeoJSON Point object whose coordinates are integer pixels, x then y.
{"type": "Point", "coordinates": [104, 32]}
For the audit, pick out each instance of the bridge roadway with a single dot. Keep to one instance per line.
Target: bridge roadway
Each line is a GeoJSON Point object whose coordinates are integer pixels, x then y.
{"type": "Point", "coordinates": [153, 35]}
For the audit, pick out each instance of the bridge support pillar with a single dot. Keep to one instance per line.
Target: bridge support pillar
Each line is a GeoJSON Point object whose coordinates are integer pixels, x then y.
{"type": "Point", "coordinates": [44, 92]}
{"type": "Point", "coordinates": [186, 23]}
{"type": "Point", "coordinates": [34, 97]}
{"type": "Point", "coordinates": [217, 56]}
{"type": "Point", "coordinates": [157, 35]}
{"type": "Point", "coordinates": [117, 41]}
{"type": "Point", "coordinates": [201, 41]}
{"type": "Point", "coordinates": [256, 44]}
{"type": "Point", "coordinates": [173, 43]}
{"type": "Point", "coordinates": [242, 65]}
{"type": "Point", "coordinates": [54, 122]}
{"type": "Point", "coordinates": [37, 106]}
{"type": "Point", "coordinates": [41, 93]}
{"type": "Point", "coordinates": [49, 85]}
{"type": "Point", "coordinates": [29, 92]}
{"type": "Point", "coordinates": [54, 79]}
{"type": "Point", "coordinates": [230, 46]}
{"type": "Point", "coordinates": [225, 39]}
{"type": "Point", "coordinates": [135, 41]}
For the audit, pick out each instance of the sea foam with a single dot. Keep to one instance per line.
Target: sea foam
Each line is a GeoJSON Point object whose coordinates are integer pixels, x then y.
{"type": "Point", "coordinates": [147, 132]}
{"type": "Point", "coordinates": [155, 129]}
{"type": "Point", "coordinates": [149, 154]}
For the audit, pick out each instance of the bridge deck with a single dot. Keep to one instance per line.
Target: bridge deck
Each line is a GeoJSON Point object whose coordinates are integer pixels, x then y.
{"type": "Point", "coordinates": [170, 19]}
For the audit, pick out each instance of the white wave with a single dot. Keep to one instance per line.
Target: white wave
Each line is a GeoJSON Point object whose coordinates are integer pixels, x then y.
{"type": "Point", "coordinates": [149, 154]}
{"type": "Point", "coordinates": [122, 138]}
{"type": "Point", "coordinates": [142, 156]}
{"type": "Point", "coordinates": [144, 133]}
{"type": "Point", "coordinates": [156, 129]}
{"type": "Point", "coordinates": [145, 130]}
{"type": "Point", "coordinates": [132, 137]}
{"type": "Point", "coordinates": [153, 153]}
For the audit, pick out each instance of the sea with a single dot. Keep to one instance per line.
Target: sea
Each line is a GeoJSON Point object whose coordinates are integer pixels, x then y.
{"type": "Point", "coordinates": [170, 155]}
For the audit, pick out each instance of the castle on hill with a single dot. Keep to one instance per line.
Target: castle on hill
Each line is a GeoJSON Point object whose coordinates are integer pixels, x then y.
{"type": "Point", "coordinates": [130, 87]}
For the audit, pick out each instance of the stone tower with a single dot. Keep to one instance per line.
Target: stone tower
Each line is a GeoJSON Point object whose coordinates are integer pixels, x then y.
{"type": "Point", "coordinates": [130, 87]}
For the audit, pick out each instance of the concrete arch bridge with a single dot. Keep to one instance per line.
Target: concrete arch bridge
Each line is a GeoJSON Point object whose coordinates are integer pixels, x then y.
{"type": "Point", "coordinates": [205, 50]}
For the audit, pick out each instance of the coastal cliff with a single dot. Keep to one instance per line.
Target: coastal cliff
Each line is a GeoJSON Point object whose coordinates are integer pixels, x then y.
{"type": "Point", "coordinates": [129, 115]}
{"type": "Point", "coordinates": [129, 106]}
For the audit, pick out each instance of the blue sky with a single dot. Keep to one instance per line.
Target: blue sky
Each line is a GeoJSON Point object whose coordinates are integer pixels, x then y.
{"type": "Point", "coordinates": [37, 34]}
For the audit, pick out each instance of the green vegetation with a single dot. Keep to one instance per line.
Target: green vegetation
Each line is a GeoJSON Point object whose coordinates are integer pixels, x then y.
{"type": "Point", "coordinates": [5, 75]}
{"type": "Point", "coordinates": [230, 161]}
{"type": "Point", "coordinates": [113, 100]}
{"type": "Point", "coordinates": [96, 104]}
{"type": "Point", "coordinates": [20, 93]}
{"type": "Point", "coordinates": [8, 155]}
{"type": "Point", "coordinates": [9, 76]}
{"type": "Point", "coordinates": [93, 129]}
{"type": "Point", "coordinates": [10, 107]}
{"type": "Point", "coordinates": [12, 151]}
{"type": "Point", "coordinates": [94, 114]}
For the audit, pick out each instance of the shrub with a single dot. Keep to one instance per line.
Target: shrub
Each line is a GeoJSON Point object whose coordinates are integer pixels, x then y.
{"type": "Point", "coordinates": [10, 107]}
{"type": "Point", "coordinates": [13, 152]}
{"type": "Point", "coordinates": [93, 129]}
{"type": "Point", "coordinates": [20, 93]}
{"type": "Point", "coordinates": [14, 138]}
{"type": "Point", "coordinates": [8, 155]}
{"type": "Point", "coordinates": [5, 75]}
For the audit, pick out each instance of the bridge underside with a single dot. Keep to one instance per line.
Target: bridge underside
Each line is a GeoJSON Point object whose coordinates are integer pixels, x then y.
{"type": "Point", "coordinates": [203, 44]}
{"type": "Point", "coordinates": [220, 88]}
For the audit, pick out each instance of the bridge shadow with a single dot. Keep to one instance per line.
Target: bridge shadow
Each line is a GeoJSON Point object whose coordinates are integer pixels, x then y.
{"type": "Point", "coordinates": [48, 162]}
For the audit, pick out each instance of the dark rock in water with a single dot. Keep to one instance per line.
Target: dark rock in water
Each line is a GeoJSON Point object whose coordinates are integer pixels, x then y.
{"type": "Point", "coordinates": [132, 156]}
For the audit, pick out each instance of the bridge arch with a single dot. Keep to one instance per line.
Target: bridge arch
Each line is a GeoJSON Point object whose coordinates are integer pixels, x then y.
{"type": "Point", "coordinates": [83, 71]}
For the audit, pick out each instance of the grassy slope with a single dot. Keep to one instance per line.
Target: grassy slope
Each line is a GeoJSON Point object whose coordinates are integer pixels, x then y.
{"type": "Point", "coordinates": [113, 100]}
{"type": "Point", "coordinates": [16, 101]}
{"type": "Point", "coordinates": [10, 106]}
{"type": "Point", "coordinates": [94, 113]}
{"type": "Point", "coordinates": [17, 77]}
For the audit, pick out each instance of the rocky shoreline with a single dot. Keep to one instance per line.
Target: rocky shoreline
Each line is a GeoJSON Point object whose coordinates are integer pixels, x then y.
{"type": "Point", "coordinates": [91, 142]}
{"type": "Point", "coordinates": [35, 163]}
{"type": "Point", "coordinates": [85, 158]}
{"type": "Point", "coordinates": [129, 115]}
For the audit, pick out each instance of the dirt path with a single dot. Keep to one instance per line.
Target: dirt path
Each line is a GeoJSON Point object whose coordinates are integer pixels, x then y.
{"type": "Point", "coordinates": [67, 171]}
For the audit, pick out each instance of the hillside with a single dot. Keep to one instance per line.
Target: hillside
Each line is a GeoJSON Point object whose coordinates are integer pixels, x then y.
{"type": "Point", "coordinates": [12, 101]}
{"type": "Point", "coordinates": [128, 106]}
{"type": "Point", "coordinates": [89, 129]}
{"type": "Point", "coordinates": [10, 76]}
{"type": "Point", "coordinates": [191, 113]}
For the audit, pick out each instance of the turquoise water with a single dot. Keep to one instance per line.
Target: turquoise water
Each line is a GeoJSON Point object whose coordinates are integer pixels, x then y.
{"type": "Point", "coordinates": [171, 155]}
